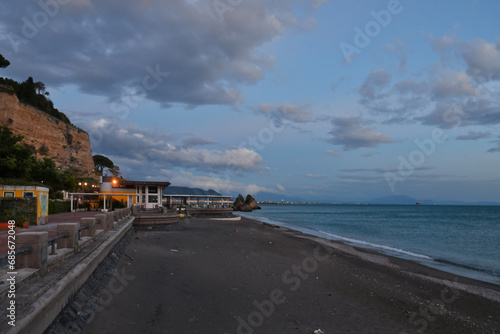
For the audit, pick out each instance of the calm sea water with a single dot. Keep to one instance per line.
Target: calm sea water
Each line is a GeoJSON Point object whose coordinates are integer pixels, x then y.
{"type": "Point", "coordinates": [464, 240]}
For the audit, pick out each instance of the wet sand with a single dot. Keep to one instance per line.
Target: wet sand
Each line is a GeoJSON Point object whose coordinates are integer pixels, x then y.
{"type": "Point", "coordinates": [247, 277]}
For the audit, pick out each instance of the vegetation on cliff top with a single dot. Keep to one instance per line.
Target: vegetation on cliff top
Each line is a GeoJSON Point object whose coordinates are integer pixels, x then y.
{"type": "Point", "coordinates": [31, 93]}
{"type": "Point", "coordinates": [19, 166]}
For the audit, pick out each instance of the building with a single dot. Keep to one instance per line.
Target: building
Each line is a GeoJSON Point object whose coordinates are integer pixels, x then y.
{"type": "Point", "coordinates": [147, 194]}
{"type": "Point", "coordinates": [40, 193]}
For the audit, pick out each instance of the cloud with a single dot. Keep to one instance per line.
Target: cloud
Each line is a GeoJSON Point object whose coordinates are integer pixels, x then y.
{"type": "Point", "coordinates": [443, 44]}
{"type": "Point", "coordinates": [280, 188]}
{"type": "Point", "coordinates": [318, 3]}
{"type": "Point", "coordinates": [333, 153]}
{"type": "Point", "coordinates": [482, 58]}
{"type": "Point", "coordinates": [381, 170]}
{"type": "Point", "coordinates": [376, 80]}
{"type": "Point", "coordinates": [495, 149]}
{"type": "Point", "coordinates": [399, 49]}
{"type": "Point", "coordinates": [221, 185]}
{"type": "Point", "coordinates": [351, 134]}
{"type": "Point", "coordinates": [473, 135]}
{"type": "Point", "coordinates": [195, 140]}
{"type": "Point", "coordinates": [286, 111]}
{"type": "Point", "coordinates": [317, 176]}
{"type": "Point", "coordinates": [149, 149]}
{"type": "Point", "coordinates": [449, 115]}
{"type": "Point", "coordinates": [109, 47]}
{"type": "Point", "coordinates": [454, 84]}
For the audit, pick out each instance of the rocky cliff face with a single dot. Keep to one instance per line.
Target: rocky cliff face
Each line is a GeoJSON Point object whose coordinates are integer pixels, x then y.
{"type": "Point", "coordinates": [66, 144]}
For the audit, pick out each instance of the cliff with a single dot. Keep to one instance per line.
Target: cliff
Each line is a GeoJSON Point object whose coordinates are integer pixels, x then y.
{"type": "Point", "coordinates": [66, 144]}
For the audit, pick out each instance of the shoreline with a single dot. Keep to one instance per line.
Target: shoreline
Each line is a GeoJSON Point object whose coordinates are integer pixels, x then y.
{"type": "Point", "coordinates": [424, 260]}
{"type": "Point", "coordinates": [408, 266]}
{"type": "Point", "coordinates": [219, 276]}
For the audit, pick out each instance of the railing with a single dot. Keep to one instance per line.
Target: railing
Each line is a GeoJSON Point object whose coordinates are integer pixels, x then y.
{"type": "Point", "coordinates": [52, 242]}
{"type": "Point", "coordinates": [23, 250]}
{"type": "Point", "coordinates": [84, 227]}
{"type": "Point", "coordinates": [27, 249]}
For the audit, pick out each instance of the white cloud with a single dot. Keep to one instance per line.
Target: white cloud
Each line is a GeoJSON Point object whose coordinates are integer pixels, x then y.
{"type": "Point", "coordinates": [482, 58]}
{"type": "Point", "coordinates": [221, 185]}
{"type": "Point", "coordinates": [317, 176]}
{"type": "Point", "coordinates": [156, 148]}
{"type": "Point", "coordinates": [453, 83]}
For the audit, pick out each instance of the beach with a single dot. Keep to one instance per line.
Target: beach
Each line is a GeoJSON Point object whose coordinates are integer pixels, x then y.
{"type": "Point", "coordinates": [216, 276]}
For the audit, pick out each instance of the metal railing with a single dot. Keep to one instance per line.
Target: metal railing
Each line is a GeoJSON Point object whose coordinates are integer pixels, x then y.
{"type": "Point", "coordinates": [84, 227]}
{"type": "Point", "coordinates": [52, 242]}
{"type": "Point", "coordinates": [23, 250]}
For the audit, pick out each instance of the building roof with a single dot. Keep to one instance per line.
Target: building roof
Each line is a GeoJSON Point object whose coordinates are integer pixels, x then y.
{"type": "Point", "coordinates": [144, 183]}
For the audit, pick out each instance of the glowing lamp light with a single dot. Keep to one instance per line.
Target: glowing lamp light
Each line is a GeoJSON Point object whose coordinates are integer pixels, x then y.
{"type": "Point", "coordinates": [115, 181]}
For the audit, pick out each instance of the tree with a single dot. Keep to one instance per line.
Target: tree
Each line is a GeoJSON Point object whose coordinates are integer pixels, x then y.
{"type": "Point", "coordinates": [3, 62]}
{"type": "Point", "coordinates": [27, 92]}
{"type": "Point", "coordinates": [40, 87]}
{"type": "Point", "coordinates": [101, 162]}
{"type": "Point", "coordinates": [16, 160]}
{"type": "Point", "coordinates": [18, 163]}
{"type": "Point", "coordinates": [115, 171]}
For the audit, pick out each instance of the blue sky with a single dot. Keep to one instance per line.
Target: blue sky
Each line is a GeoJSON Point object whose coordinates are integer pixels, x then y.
{"type": "Point", "coordinates": [320, 100]}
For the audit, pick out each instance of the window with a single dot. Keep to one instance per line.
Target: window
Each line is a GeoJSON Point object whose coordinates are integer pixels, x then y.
{"type": "Point", "coordinates": [153, 199]}
{"type": "Point", "coordinates": [27, 194]}
{"type": "Point", "coordinates": [153, 189]}
{"type": "Point", "coordinates": [8, 194]}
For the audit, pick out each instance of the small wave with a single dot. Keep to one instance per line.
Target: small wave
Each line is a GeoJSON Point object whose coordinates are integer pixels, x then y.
{"type": "Point", "coordinates": [468, 267]}
{"type": "Point", "coordinates": [311, 230]}
{"type": "Point", "coordinates": [372, 245]}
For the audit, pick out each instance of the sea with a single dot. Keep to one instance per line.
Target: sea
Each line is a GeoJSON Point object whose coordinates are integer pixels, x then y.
{"type": "Point", "coordinates": [463, 240]}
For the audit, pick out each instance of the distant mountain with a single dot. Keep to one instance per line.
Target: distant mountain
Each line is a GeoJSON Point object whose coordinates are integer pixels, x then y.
{"type": "Point", "coordinates": [395, 199]}
{"type": "Point", "coordinates": [466, 203]}
{"type": "Point", "coordinates": [173, 190]}
{"type": "Point", "coordinates": [266, 196]}
{"type": "Point", "coordinates": [401, 199]}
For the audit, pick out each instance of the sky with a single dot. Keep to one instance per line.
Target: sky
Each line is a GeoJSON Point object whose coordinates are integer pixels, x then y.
{"type": "Point", "coordinates": [317, 100]}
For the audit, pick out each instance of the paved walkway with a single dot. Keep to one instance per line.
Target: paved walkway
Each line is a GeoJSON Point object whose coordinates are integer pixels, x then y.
{"type": "Point", "coordinates": [51, 226]}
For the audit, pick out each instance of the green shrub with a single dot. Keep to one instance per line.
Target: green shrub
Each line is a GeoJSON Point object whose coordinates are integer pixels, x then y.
{"type": "Point", "coordinates": [59, 206]}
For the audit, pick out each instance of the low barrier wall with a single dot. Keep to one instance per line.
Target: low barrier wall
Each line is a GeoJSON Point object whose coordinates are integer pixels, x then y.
{"type": "Point", "coordinates": [43, 288]}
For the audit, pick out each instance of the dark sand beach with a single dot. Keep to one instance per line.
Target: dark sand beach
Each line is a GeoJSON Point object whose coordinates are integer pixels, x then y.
{"type": "Point", "coordinates": [246, 277]}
